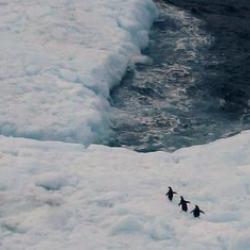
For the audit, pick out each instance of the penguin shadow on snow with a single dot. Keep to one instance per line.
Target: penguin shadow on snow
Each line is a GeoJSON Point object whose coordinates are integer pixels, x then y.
{"type": "Point", "coordinates": [184, 203]}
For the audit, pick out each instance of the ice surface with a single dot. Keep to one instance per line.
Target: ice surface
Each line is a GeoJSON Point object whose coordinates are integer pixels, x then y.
{"type": "Point", "coordinates": [56, 195]}
{"type": "Point", "coordinates": [59, 60]}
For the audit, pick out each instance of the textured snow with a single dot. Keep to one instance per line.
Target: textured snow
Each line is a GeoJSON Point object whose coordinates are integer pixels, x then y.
{"type": "Point", "coordinates": [57, 195]}
{"type": "Point", "coordinates": [59, 60]}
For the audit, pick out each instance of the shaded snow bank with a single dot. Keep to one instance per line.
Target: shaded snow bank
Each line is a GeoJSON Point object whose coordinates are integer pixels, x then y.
{"type": "Point", "coordinates": [63, 196]}
{"type": "Point", "coordinates": [59, 60]}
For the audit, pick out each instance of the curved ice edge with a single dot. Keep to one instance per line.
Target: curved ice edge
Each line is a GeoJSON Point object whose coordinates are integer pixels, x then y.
{"type": "Point", "coordinates": [58, 72]}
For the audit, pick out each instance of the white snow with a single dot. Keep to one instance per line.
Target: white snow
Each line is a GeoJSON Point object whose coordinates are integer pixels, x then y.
{"type": "Point", "coordinates": [57, 195]}
{"type": "Point", "coordinates": [59, 60]}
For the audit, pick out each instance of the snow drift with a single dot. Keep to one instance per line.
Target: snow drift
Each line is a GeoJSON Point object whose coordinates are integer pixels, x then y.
{"type": "Point", "coordinates": [59, 60]}
{"type": "Point", "coordinates": [58, 196]}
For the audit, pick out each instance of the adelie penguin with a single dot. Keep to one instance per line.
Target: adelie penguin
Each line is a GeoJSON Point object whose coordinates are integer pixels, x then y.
{"type": "Point", "coordinates": [183, 203]}
{"type": "Point", "coordinates": [196, 211]}
{"type": "Point", "coordinates": [170, 193]}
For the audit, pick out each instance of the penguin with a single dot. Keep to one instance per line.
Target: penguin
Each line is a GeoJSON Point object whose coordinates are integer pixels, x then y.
{"type": "Point", "coordinates": [196, 211]}
{"type": "Point", "coordinates": [170, 193]}
{"type": "Point", "coordinates": [183, 203]}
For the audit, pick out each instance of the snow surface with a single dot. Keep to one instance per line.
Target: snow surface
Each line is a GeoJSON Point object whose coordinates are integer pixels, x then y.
{"type": "Point", "coordinates": [56, 195]}
{"type": "Point", "coordinates": [59, 60]}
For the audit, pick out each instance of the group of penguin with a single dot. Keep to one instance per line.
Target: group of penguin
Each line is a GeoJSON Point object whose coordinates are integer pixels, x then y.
{"type": "Point", "coordinates": [183, 203]}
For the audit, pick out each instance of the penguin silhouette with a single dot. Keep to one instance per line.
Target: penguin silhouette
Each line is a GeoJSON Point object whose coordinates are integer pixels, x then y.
{"type": "Point", "coordinates": [170, 193]}
{"type": "Point", "coordinates": [183, 203]}
{"type": "Point", "coordinates": [196, 211]}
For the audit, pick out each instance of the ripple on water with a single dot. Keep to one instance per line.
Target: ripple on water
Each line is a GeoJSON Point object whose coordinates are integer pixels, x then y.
{"type": "Point", "coordinates": [163, 105]}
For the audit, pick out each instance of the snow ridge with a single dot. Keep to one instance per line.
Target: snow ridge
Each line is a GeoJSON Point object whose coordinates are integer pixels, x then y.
{"type": "Point", "coordinates": [59, 60]}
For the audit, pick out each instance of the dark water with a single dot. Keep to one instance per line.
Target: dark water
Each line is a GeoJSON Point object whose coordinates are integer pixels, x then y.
{"type": "Point", "coordinates": [197, 86]}
{"type": "Point", "coordinates": [229, 22]}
